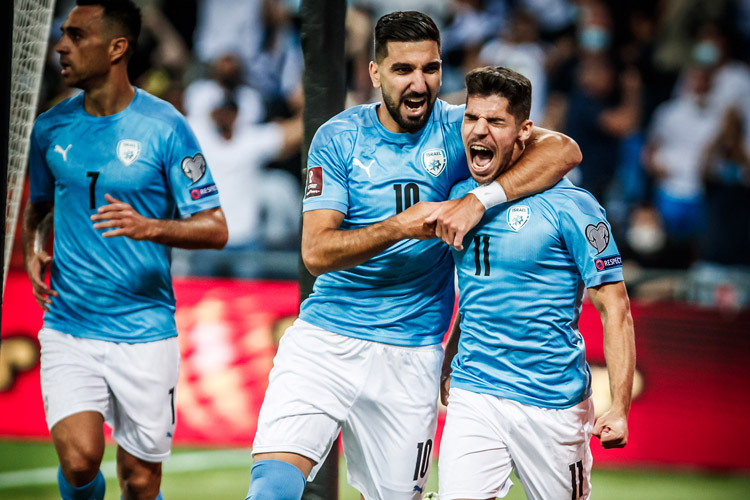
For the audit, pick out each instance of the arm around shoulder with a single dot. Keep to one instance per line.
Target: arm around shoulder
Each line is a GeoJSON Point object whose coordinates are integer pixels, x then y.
{"type": "Point", "coordinates": [547, 157]}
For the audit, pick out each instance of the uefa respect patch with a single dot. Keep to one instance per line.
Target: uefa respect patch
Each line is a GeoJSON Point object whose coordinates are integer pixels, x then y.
{"type": "Point", "coordinates": [204, 191]}
{"type": "Point", "coordinates": [605, 263]}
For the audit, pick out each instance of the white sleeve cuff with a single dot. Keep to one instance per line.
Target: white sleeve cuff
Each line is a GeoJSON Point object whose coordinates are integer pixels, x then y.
{"type": "Point", "coordinates": [490, 194]}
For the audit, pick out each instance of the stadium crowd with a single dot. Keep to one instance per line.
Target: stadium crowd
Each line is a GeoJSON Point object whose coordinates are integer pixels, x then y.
{"type": "Point", "coordinates": [655, 94]}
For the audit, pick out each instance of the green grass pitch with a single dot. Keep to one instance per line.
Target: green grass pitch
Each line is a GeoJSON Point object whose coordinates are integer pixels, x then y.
{"type": "Point", "coordinates": [28, 472]}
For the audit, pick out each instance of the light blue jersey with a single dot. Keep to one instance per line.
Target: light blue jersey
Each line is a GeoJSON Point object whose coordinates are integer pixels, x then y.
{"type": "Point", "coordinates": [521, 278]}
{"type": "Point", "coordinates": [404, 295]}
{"type": "Point", "coordinates": [115, 289]}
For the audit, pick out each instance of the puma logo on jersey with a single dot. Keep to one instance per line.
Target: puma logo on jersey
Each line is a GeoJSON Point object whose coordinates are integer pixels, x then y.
{"type": "Point", "coordinates": [361, 165]}
{"type": "Point", "coordinates": [63, 152]}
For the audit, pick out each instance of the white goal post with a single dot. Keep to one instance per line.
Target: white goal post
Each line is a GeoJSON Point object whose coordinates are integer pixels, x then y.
{"type": "Point", "coordinates": [31, 29]}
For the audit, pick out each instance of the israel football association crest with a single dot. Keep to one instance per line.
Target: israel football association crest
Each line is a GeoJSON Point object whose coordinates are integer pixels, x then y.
{"type": "Point", "coordinates": [128, 151]}
{"type": "Point", "coordinates": [518, 216]}
{"type": "Point", "coordinates": [434, 161]}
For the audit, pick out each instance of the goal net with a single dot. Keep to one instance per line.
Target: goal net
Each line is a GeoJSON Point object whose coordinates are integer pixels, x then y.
{"type": "Point", "coordinates": [31, 25]}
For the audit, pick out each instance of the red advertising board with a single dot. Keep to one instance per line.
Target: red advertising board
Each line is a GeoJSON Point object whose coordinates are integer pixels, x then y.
{"type": "Point", "coordinates": [690, 408]}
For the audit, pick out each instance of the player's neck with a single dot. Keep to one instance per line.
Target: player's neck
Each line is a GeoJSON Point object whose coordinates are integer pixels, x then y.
{"type": "Point", "coordinates": [110, 97]}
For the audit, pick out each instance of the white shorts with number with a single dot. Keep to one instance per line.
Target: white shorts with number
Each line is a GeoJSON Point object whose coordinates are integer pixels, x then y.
{"type": "Point", "coordinates": [485, 437]}
{"type": "Point", "coordinates": [132, 385]}
{"type": "Point", "coordinates": [383, 399]}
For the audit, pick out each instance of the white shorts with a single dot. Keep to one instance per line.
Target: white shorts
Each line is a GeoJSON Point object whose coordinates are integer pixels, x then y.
{"type": "Point", "coordinates": [383, 399]}
{"type": "Point", "coordinates": [132, 385]}
{"type": "Point", "coordinates": [485, 437]}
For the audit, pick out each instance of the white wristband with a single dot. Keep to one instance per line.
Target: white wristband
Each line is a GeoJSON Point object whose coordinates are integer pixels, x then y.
{"type": "Point", "coordinates": [490, 194]}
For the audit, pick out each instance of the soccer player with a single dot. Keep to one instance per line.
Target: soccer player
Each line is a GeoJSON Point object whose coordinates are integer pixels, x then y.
{"type": "Point", "coordinates": [520, 386]}
{"type": "Point", "coordinates": [364, 356]}
{"type": "Point", "coordinates": [110, 169]}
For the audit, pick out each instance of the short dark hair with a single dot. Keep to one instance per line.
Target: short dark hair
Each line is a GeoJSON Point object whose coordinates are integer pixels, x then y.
{"type": "Point", "coordinates": [409, 26]}
{"type": "Point", "coordinates": [497, 80]}
{"type": "Point", "coordinates": [122, 13]}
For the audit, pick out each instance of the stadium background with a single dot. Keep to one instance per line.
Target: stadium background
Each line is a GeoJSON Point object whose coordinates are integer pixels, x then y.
{"type": "Point", "coordinates": [690, 287]}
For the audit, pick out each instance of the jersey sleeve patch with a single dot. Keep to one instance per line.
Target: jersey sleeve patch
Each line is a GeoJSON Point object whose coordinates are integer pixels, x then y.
{"type": "Point", "coordinates": [598, 236]}
{"type": "Point", "coordinates": [605, 263]}
{"type": "Point", "coordinates": [314, 186]}
{"type": "Point", "coordinates": [204, 191]}
{"type": "Point", "coordinates": [194, 167]}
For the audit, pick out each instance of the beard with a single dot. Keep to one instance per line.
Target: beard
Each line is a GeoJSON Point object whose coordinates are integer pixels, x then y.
{"type": "Point", "coordinates": [410, 125]}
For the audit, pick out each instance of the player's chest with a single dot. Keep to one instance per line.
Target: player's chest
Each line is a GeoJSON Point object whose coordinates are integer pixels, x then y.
{"type": "Point", "coordinates": [513, 238]}
{"type": "Point", "coordinates": [392, 179]}
{"type": "Point", "coordinates": [84, 157]}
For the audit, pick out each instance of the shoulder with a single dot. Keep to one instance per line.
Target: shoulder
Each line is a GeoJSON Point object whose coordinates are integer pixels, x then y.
{"type": "Point", "coordinates": [60, 111]}
{"type": "Point", "coordinates": [565, 197]}
{"type": "Point", "coordinates": [159, 110]}
{"type": "Point", "coordinates": [346, 123]}
{"type": "Point", "coordinates": [448, 113]}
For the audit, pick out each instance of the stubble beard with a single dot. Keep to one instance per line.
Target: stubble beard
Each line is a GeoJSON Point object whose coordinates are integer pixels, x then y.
{"type": "Point", "coordinates": [406, 124]}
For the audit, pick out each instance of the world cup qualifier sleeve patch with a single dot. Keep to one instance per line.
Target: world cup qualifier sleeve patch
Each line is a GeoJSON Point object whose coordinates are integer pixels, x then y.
{"type": "Point", "coordinates": [598, 236]}
{"type": "Point", "coordinates": [314, 185]}
{"type": "Point", "coordinates": [194, 167]}
{"type": "Point", "coordinates": [605, 263]}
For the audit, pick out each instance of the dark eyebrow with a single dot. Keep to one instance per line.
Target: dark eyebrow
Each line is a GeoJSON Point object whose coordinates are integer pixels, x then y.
{"type": "Point", "coordinates": [400, 65]}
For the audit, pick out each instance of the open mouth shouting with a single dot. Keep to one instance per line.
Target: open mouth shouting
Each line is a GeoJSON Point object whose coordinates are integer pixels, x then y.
{"type": "Point", "coordinates": [415, 104]}
{"type": "Point", "coordinates": [480, 159]}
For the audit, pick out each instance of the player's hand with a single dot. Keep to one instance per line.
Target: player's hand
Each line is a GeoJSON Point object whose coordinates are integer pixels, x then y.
{"type": "Point", "coordinates": [412, 221]}
{"type": "Point", "coordinates": [454, 218]}
{"type": "Point", "coordinates": [121, 219]}
{"type": "Point", "coordinates": [37, 267]}
{"type": "Point", "coordinates": [445, 388]}
{"type": "Point", "coordinates": [612, 430]}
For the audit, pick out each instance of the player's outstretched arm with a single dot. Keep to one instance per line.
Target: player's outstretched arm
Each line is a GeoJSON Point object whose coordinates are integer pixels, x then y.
{"type": "Point", "coordinates": [326, 247]}
{"type": "Point", "coordinates": [611, 300]}
{"type": "Point", "coordinates": [206, 229]}
{"type": "Point", "coordinates": [37, 226]}
{"type": "Point", "coordinates": [451, 349]}
{"type": "Point", "coordinates": [546, 158]}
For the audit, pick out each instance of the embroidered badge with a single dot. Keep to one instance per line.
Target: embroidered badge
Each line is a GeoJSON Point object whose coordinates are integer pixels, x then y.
{"type": "Point", "coordinates": [128, 151]}
{"type": "Point", "coordinates": [314, 186]}
{"type": "Point", "coordinates": [434, 161]}
{"type": "Point", "coordinates": [518, 216]}
{"type": "Point", "coordinates": [598, 236]}
{"type": "Point", "coordinates": [194, 168]}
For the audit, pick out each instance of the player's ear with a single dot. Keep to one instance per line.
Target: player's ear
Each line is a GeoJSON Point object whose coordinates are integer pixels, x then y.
{"type": "Point", "coordinates": [375, 74]}
{"type": "Point", "coordinates": [524, 131]}
{"type": "Point", "coordinates": [118, 49]}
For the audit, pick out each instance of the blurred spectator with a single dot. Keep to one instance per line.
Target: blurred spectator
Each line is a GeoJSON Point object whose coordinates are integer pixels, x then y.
{"type": "Point", "coordinates": [202, 96]}
{"type": "Point", "coordinates": [721, 276]}
{"type": "Point", "coordinates": [262, 35]}
{"type": "Point", "coordinates": [262, 206]}
{"type": "Point", "coordinates": [600, 113]}
{"type": "Point", "coordinates": [681, 131]}
{"type": "Point", "coordinates": [520, 49]}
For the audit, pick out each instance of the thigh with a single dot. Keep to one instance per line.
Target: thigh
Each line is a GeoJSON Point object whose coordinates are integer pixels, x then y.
{"type": "Point", "coordinates": [551, 452]}
{"type": "Point", "coordinates": [72, 376]}
{"type": "Point", "coordinates": [143, 380]}
{"type": "Point", "coordinates": [474, 458]}
{"type": "Point", "coordinates": [316, 375]}
{"type": "Point", "coordinates": [388, 435]}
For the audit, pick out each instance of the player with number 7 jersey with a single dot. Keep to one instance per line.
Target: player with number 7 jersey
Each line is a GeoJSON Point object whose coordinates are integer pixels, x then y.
{"type": "Point", "coordinates": [120, 177]}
